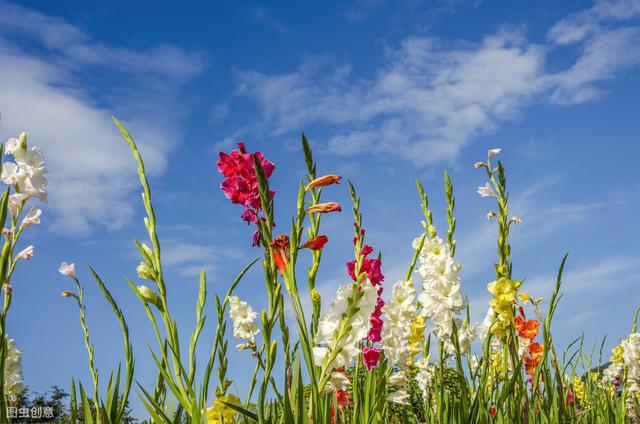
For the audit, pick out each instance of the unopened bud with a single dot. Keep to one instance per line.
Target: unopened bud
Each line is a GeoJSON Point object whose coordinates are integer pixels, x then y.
{"type": "Point", "coordinates": [150, 296]}
{"type": "Point", "coordinates": [315, 297]}
{"type": "Point", "coordinates": [516, 220]}
{"type": "Point", "coordinates": [7, 289]}
{"type": "Point", "coordinates": [147, 250]}
{"type": "Point", "coordinates": [145, 272]}
{"type": "Point", "coordinates": [68, 293]}
{"type": "Point", "coordinates": [431, 230]}
{"type": "Point", "coordinates": [479, 165]}
{"type": "Point", "coordinates": [23, 140]}
{"type": "Point", "coordinates": [491, 215]}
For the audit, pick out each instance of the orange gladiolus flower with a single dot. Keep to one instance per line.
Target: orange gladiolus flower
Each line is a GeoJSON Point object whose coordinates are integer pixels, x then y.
{"type": "Point", "coordinates": [323, 181]}
{"type": "Point", "coordinates": [316, 243]}
{"type": "Point", "coordinates": [536, 351]}
{"type": "Point", "coordinates": [324, 208]}
{"type": "Point", "coordinates": [526, 329]}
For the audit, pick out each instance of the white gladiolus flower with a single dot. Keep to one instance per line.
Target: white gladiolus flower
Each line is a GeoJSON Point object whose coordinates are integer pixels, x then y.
{"type": "Point", "coordinates": [631, 359]}
{"type": "Point", "coordinates": [466, 336]}
{"type": "Point", "coordinates": [11, 173]}
{"type": "Point", "coordinates": [399, 312]}
{"type": "Point", "coordinates": [486, 191]}
{"type": "Point", "coordinates": [32, 218]}
{"type": "Point", "coordinates": [27, 173]}
{"type": "Point", "coordinates": [397, 379]}
{"type": "Point", "coordinates": [491, 153]}
{"type": "Point", "coordinates": [25, 254]}
{"type": "Point", "coordinates": [612, 372]}
{"type": "Point", "coordinates": [441, 295]}
{"type": "Point", "coordinates": [243, 317]}
{"type": "Point", "coordinates": [68, 269]}
{"type": "Point", "coordinates": [400, 397]}
{"type": "Point", "coordinates": [11, 146]}
{"type": "Point", "coordinates": [331, 323]}
{"type": "Point", "coordinates": [425, 375]}
{"type": "Point", "coordinates": [13, 383]}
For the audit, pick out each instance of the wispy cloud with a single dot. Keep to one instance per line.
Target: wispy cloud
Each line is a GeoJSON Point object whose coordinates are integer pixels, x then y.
{"type": "Point", "coordinates": [431, 97]}
{"type": "Point", "coordinates": [48, 71]}
{"type": "Point", "coordinates": [263, 15]}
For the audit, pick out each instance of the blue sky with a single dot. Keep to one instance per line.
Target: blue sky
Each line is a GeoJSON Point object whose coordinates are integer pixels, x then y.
{"type": "Point", "coordinates": [386, 92]}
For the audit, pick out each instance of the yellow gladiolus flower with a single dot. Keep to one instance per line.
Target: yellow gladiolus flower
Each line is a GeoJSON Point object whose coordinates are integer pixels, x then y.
{"type": "Point", "coordinates": [219, 411]}
{"type": "Point", "coordinates": [417, 328]}
{"type": "Point", "coordinates": [617, 354]}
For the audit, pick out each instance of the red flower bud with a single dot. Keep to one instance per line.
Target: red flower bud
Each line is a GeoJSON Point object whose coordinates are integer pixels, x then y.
{"type": "Point", "coordinates": [316, 243]}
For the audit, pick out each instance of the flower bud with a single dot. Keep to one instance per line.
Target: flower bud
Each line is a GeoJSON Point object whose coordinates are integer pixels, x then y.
{"type": "Point", "coordinates": [68, 293]}
{"type": "Point", "coordinates": [323, 181]}
{"type": "Point", "coordinates": [479, 165]}
{"type": "Point", "coordinates": [26, 254]}
{"type": "Point", "coordinates": [150, 296]}
{"type": "Point", "coordinates": [145, 272]}
{"type": "Point", "coordinates": [23, 141]}
{"type": "Point", "coordinates": [7, 289]}
{"type": "Point", "coordinates": [516, 220]}
{"type": "Point", "coordinates": [491, 215]}
{"type": "Point", "coordinates": [315, 297]}
{"type": "Point", "coordinates": [147, 250]}
{"type": "Point", "coordinates": [325, 208]}
{"type": "Point", "coordinates": [316, 243]}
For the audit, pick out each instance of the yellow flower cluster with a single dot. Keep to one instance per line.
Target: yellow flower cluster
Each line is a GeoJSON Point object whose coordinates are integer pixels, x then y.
{"type": "Point", "coordinates": [617, 354]}
{"type": "Point", "coordinates": [580, 393]}
{"type": "Point", "coordinates": [219, 411]}
{"type": "Point", "coordinates": [417, 328]}
{"type": "Point", "coordinates": [504, 292]}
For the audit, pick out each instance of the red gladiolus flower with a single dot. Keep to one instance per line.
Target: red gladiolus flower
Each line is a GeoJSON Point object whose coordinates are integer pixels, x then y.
{"type": "Point", "coordinates": [325, 208]}
{"type": "Point", "coordinates": [280, 251]}
{"type": "Point", "coordinates": [316, 243]}
{"type": "Point", "coordinates": [342, 398]}
{"type": "Point", "coordinates": [492, 410]}
{"type": "Point", "coordinates": [323, 181]}
{"type": "Point", "coordinates": [371, 356]}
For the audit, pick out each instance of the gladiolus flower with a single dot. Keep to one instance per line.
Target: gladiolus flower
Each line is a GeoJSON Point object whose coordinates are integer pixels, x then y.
{"type": "Point", "coordinates": [486, 191]}
{"type": "Point", "coordinates": [323, 181]}
{"type": "Point", "coordinates": [68, 269]}
{"type": "Point", "coordinates": [325, 208]}
{"type": "Point", "coordinates": [220, 412]}
{"type": "Point", "coordinates": [68, 293]}
{"type": "Point", "coordinates": [32, 218]}
{"type": "Point", "coordinates": [280, 251]}
{"type": "Point", "coordinates": [526, 329]}
{"type": "Point", "coordinates": [150, 296]}
{"type": "Point", "coordinates": [25, 254]}
{"type": "Point", "coordinates": [570, 396]}
{"type": "Point", "coordinates": [342, 398]}
{"type": "Point", "coordinates": [371, 356]}
{"type": "Point", "coordinates": [492, 410]}
{"type": "Point", "coordinates": [493, 152]}
{"type": "Point", "coordinates": [316, 243]}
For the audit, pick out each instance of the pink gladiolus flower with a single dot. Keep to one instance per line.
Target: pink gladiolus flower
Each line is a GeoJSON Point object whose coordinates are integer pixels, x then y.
{"type": "Point", "coordinates": [570, 396]}
{"type": "Point", "coordinates": [371, 356]}
{"type": "Point", "coordinates": [241, 183]}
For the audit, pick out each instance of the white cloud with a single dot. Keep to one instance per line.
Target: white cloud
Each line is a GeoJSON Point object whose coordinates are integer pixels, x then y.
{"type": "Point", "coordinates": [430, 97]}
{"type": "Point", "coordinates": [48, 69]}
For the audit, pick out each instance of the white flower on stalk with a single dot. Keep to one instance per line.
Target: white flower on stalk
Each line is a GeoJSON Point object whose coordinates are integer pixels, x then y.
{"type": "Point", "coordinates": [15, 201]}
{"type": "Point", "coordinates": [32, 218]}
{"type": "Point", "coordinates": [441, 295]}
{"type": "Point", "coordinates": [26, 254]}
{"type": "Point", "coordinates": [334, 321]}
{"type": "Point", "coordinates": [491, 153]}
{"type": "Point", "coordinates": [337, 381]}
{"type": "Point", "coordinates": [400, 397]}
{"type": "Point", "coordinates": [11, 146]}
{"type": "Point", "coordinates": [13, 383]}
{"type": "Point", "coordinates": [399, 312]}
{"type": "Point", "coordinates": [27, 173]}
{"type": "Point", "coordinates": [466, 336]}
{"type": "Point", "coordinates": [68, 269]}
{"type": "Point", "coordinates": [486, 191]}
{"type": "Point", "coordinates": [11, 173]}
{"type": "Point", "coordinates": [425, 375]}
{"type": "Point", "coordinates": [612, 373]}
{"type": "Point", "coordinates": [397, 379]}
{"type": "Point", "coordinates": [244, 326]}
{"type": "Point", "coordinates": [631, 359]}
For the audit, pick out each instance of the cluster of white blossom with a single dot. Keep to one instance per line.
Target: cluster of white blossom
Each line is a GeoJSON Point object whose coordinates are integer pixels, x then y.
{"type": "Point", "coordinates": [399, 313]}
{"type": "Point", "coordinates": [441, 296]}
{"type": "Point", "coordinates": [13, 384]}
{"type": "Point", "coordinates": [243, 317]}
{"type": "Point", "coordinates": [425, 375]}
{"type": "Point", "coordinates": [612, 373]}
{"type": "Point", "coordinates": [26, 173]}
{"type": "Point", "coordinates": [631, 358]}
{"type": "Point", "coordinates": [335, 320]}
